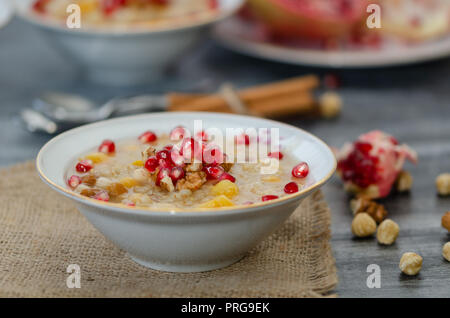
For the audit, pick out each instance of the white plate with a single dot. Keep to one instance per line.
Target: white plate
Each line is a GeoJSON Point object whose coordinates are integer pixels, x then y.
{"type": "Point", "coordinates": [231, 34]}
{"type": "Point", "coordinates": [6, 12]}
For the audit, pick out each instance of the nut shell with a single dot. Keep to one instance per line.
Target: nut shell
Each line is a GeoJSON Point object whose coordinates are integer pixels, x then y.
{"type": "Point", "coordinates": [387, 232]}
{"type": "Point", "coordinates": [363, 225]}
{"type": "Point", "coordinates": [411, 263]}
{"type": "Point", "coordinates": [404, 181]}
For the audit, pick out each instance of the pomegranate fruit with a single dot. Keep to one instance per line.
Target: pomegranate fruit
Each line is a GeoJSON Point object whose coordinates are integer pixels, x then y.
{"type": "Point", "coordinates": [107, 146]}
{"type": "Point", "coordinates": [84, 166]}
{"type": "Point", "coordinates": [213, 172]}
{"type": "Point", "coordinates": [314, 19]}
{"type": "Point", "coordinates": [291, 187]}
{"type": "Point", "coordinates": [176, 174]}
{"type": "Point", "coordinates": [370, 165]}
{"type": "Point", "coordinates": [269, 197]}
{"type": "Point", "coordinates": [147, 137]}
{"type": "Point", "coordinates": [151, 164]}
{"type": "Point", "coordinates": [74, 181]}
{"type": "Point", "coordinates": [301, 170]}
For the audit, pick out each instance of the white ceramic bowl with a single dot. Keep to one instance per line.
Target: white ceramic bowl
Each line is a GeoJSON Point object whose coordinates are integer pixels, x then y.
{"type": "Point", "coordinates": [195, 239]}
{"type": "Point", "coordinates": [124, 57]}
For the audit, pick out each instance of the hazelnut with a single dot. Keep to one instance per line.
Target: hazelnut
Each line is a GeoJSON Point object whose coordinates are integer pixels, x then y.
{"type": "Point", "coordinates": [363, 225]}
{"type": "Point", "coordinates": [446, 251]}
{"type": "Point", "coordinates": [330, 105]}
{"type": "Point", "coordinates": [411, 263]}
{"type": "Point", "coordinates": [387, 232]}
{"type": "Point", "coordinates": [443, 184]}
{"type": "Point", "coordinates": [375, 210]}
{"type": "Point", "coordinates": [404, 181]}
{"type": "Point", "coordinates": [446, 221]}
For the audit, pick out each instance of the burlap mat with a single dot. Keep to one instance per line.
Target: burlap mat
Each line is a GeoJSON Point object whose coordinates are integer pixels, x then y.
{"type": "Point", "coordinates": [42, 233]}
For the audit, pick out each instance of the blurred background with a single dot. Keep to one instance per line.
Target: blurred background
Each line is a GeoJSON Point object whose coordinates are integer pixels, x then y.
{"type": "Point", "coordinates": [395, 78]}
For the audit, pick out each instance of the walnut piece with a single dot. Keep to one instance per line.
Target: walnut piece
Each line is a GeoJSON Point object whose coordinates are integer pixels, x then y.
{"type": "Point", "coordinates": [411, 263]}
{"type": "Point", "coordinates": [192, 181]}
{"type": "Point", "coordinates": [148, 152]}
{"type": "Point", "coordinates": [446, 221]}
{"type": "Point", "coordinates": [404, 181]}
{"type": "Point", "coordinates": [446, 251]}
{"type": "Point", "coordinates": [167, 184]}
{"type": "Point", "coordinates": [227, 166]}
{"type": "Point", "coordinates": [363, 225]}
{"type": "Point", "coordinates": [387, 232]}
{"type": "Point", "coordinates": [443, 184]}
{"type": "Point", "coordinates": [376, 210]}
{"type": "Point", "coordinates": [194, 167]}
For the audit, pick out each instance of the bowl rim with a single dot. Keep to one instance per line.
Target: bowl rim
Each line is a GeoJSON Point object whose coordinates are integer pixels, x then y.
{"type": "Point", "coordinates": [146, 211]}
{"type": "Point", "coordinates": [40, 22]}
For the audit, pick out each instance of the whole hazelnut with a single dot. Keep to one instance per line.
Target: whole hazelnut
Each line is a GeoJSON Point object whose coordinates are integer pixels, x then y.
{"type": "Point", "coordinates": [363, 225]}
{"type": "Point", "coordinates": [330, 104]}
{"type": "Point", "coordinates": [446, 221]}
{"type": "Point", "coordinates": [411, 263]}
{"type": "Point", "coordinates": [404, 181]}
{"type": "Point", "coordinates": [443, 184]}
{"type": "Point", "coordinates": [387, 232]}
{"type": "Point", "coordinates": [446, 251]}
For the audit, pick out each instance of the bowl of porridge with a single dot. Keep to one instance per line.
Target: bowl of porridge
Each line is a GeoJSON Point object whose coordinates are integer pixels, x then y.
{"type": "Point", "coordinates": [124, 42]}
{"type": "Point", "coordinates": [186, 192]}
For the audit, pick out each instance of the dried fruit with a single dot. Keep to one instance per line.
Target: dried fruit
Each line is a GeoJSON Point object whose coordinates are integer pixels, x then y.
{"type": "Point", "coordinates": [217, 202]}
{"type": "Point", "coordinates": [147, 137]}
{"type": "Point", "coordinates": [89, 180]}
{"type": "Point", "coordinates": [225, 187]}
{"type": "Point", "coordinates": [301, 170]}
{"type": "Point", "coordinates": [84, 166]}
{"type": "Point", "coordinates": [443, 184]}
{"type": "Point", "coordinates": [404, 181]}
{"type": "Point", "coordinates": [269, 197]}
{"type": "Point", "coordinates": [446, 251]}
{"type": "Point", "coordinates": [116, 189]}
{"type": "Point", "coordinates": [363, 225]}
{"type": "Point", "coordinates": [107, 146]}
{"type": "Point", "coordinates": [446, 221]}
{"type": "Point", "coordinates": [376, 210]}
{"type": "Point", "coordinates": [291, 187]}
{"type": "Point", "coordinates": [371, 164]}
{"type": "Point", "coordinates": [74, 181]}
{"type": "Point", "coordinates": [138, 163]}
{"type": "Point", "coordinates": [97, 157]}
{"type": "Point", "coordinates": [411, 263]}
{"type": "Point", "coordinates": [330, 104]}
{"type": "Point", "coordinates": [387, 232]}
{"type": "Point", "coordinates": [129, 182]}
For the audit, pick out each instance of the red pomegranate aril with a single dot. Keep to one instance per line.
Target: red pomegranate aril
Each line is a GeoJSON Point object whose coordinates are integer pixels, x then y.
{"type": "Point", "coordinates": [213, 156]}
{"type": "Point", "coordinates": [301, 170]}
{"type": "Point", "coordinates": [147, 137]}
{"type": "Point", "coordinates": [277, 155]}
{"type": "Point", "coordinates": [107, 146]}
{"type": "Point", "coordinates": [243, 139]}
{"type": "Point", "coordinates": [151, 164]}
{"type": "Point", "coordinates": [291, 187]}
{"type": "Point", "coordinates": [132, 204]}
{"type": "Point", "coordinates": [109, 6]}
{"type": "Point", "coordinates": [202, 136]}
{"type": "Point", "coordinates": [163, 154]}
{"type": "Point", "coordinates": [102, 196]}
{"type": "Point", "coordinates": [227, 176]}
{"type": "Point", "coordinates": [74, 181]}
{"type": "Point", "coordinates": [176, 158]}
{"type": "Point", "coordinates": [84, 166]}
{"type": "Point", "coordinates": [269, 197]}
{"type": "Point", "coordinates": [168, 147]}
{"type": "Point", "coordinates": [165, 164]}
{"type": "Point", "coordinates": [176, 174]}
{"type": "Point", "coordinates": [213, 172]}
{"type": "Point", "coordinates": [191, 149]}
{"type": "Point", "coordinates": [164, 172]}
{"type": "Point", "coordinates": [39, 6]}
{"type": "Point", "coordinates": [178, 133]}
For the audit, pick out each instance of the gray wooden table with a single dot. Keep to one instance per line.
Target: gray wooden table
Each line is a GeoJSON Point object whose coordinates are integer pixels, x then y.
{"type": "Point", "coordinates": [412, 103]}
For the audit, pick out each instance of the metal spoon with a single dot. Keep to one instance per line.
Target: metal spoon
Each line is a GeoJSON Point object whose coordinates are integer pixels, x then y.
{"type": "Point", "coordinates": [73, 109]}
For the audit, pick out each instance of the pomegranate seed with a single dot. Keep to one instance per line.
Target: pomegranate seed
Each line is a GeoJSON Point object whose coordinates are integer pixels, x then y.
{"type": "Point", "coordinates": [176, 158]}
{"type": "Point", "coordinates": [107, 146]}
{"type": "Point", "coordinates": [227, 176]}
{"type": "Point", "coordinates": [243, 139]}
{"type": "Point", "coordinates": [147, 137]}
{"type": "Point", "coordinates": [151, 164]}
{"type": "Point", "coordinates": [212, 155]}
{"type": "Point", "coordinates": [74, 181]}
{"type": "Point", "coordinates": [164, 172]}
{"type": "Point", "coordinates": [163, 154]}
{"type": "Point", "coordinates": [39, 6]}
{"type": "Point", "coordinates": [176, 174]}
{"type": "Point", "coordinates": [213, 173]}
{"type": "Point", "coordinates": [291, 187]}
{"type": "Point", "coordinates": [277, 155]}
{"type": "Point", "coordinates": [168, 147]}
{"type": "Point", "coordinates": [213, 4]}
{"type": "Point", "coordinates": [131, 204]}
{"type": "Point", "coordinates": [102, 196]}
{"type": "Point", "coordinates": [191, 149]}
{"type": "Point", "coordinates": [269, 197]}
{"type": "Point", "coordinates": [165, 164]}
{"type": "Point", "coordinates": [109, 6]}
{"type": "Point", "coordinates": [84, 166]}
{"type": "Point", "coordinates": [178, 133]}
{"type": "Point", "coordinates": [202, 135]}
{"type": "Point", "coordinates": [301, 170]}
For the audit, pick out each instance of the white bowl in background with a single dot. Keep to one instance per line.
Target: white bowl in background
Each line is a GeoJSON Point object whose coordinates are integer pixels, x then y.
{"type": "Point", "coordinates": [193, 239]}
{"type": "Point", "coordinates": [124, 57]}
